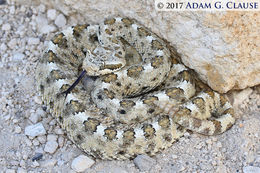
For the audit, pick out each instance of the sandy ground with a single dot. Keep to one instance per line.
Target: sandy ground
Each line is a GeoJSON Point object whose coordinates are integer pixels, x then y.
{"type": "Point", "coordinates": [22, 40]}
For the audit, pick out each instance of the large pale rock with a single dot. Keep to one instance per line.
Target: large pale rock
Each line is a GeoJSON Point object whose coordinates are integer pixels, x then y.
{"type": "Point", "coordinates": [222, 47]}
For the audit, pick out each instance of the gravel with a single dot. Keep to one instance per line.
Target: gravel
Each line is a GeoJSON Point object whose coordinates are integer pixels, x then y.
{"type": "Point", "coordinates": [81, 163]}
{"type": "Point", "coordinates": [51, 147]}
{"type": "Point", "coordinates": [60, 21]}
{"type": "Point", "coordinates": [251, 169]}
{"type": "Point", "coordinates": [35, 130]}
{"type": "Point", "coordinates": [144, 162]}
{"type": "Point", "coordinates": [6, 27]}
{"type": "Point", "coordinates": [51, 14]}
{"type": "Point", "coordinates": [27, 128]}
{"type": "Point", "coordinates": [33, 41]}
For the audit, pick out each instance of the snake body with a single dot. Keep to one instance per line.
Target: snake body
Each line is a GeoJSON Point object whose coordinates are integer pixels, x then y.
{"type": "Point", "coordinates": [137, 97]}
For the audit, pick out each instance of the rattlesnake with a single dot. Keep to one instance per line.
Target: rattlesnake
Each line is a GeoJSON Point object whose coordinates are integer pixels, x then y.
{"type": "Point", "coordinates": [137, 96]}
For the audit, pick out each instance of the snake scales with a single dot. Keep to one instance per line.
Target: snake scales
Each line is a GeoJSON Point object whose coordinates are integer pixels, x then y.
{"type": "Point", "coordinates": [136, 98]}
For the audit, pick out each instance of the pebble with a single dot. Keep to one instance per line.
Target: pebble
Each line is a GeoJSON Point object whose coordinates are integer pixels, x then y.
{"type": "Point", "coordinates": [37, 156]}
{"type": "Point", "coordinates": [6, 27]}
{"type": "Point", "coordinates": [17, 129]}
{"type": "Point", "coordinates": [35, 130]}
{"type": "Point", "coordinates": [22, 163]}
{"type": "Point", "coordinates": [3, 47]}
{"type": "Point", "coordinates": [58, 131]}
{"type": "Point", "coordinates": [33, 41]}
{"type": "Point", "coordinates": [41, 8]}
{"type": "Point", "coordinates": [251, 169]}
{"type": "Point", "coordinates": [61, 141]}
{"type": "Point", "coordinates": [51, 147]}
{"type": "Point", "coordinates": [51, 14]}
{"type": "Point", "coordinates": [41, 21]}
{"type": "Point", "coordinates": [42, 139]}
{"type": "Point", "coordinates": [36, 142]}
{"type": "Point", "coordinates": [81, 163]}
{"type": "Point", "coordinates": [47, 29]}
{"type": "Point", "coordinates": [10, 171]}
{"type": "Point", "coordinates": [241, 96]}
{"type": "Point", "coordinates": [37, 100]}
{"type": "Point", "coordinates": [18, 57]}
{"type": "Point", "coordinates": [28, 142]}
{"type": "Point", "coordinates": [12, 43]}
{"type": "Point", "coordinates": [60, 20]}
{"type": "Point", "coordinates": [174, 156]}
{"type": "Point", "coordinates": [21, 170]}
{"type": "Point", "coordinates": [144, 162]}
{"type": "Point", "coordinates": [49, 163]}
{"type": "Point", "coordinates": [52, 137]}
{"type": "Point", "coordinates": [12, 10]}
{"type": "Point", "coordinates": [209, 141]}
{"type": "Point", "coordinates": [35, 164]}
{"type": "Point", "coordinates": [34, 118]}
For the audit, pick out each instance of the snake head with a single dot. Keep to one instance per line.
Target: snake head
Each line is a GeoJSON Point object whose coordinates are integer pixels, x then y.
{"type": "Point", "coordinates": [103, 60]}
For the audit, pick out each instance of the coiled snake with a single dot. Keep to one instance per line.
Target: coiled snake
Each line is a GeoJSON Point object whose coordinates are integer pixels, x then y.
{"type": "Point", "coordinates": [136, 96]}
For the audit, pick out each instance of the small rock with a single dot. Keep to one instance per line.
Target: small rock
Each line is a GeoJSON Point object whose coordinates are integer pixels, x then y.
{"type": "Point", "coordinates": [47, 29]}
{"type": "Point", "coordinates": [3, 47]}
{"type": "Point", "coordinates": [51, 14]}
{"type": "Point", "coordinates": [36, 142]}
{"type": "Point", "coordinates": [39, 150]}
{"type": "Point", "coordinates": [49, 163]}
{"type": "Point", "coordinates": [15, 121]}
{"type": "Point", "coordinates": [33, 41]}
{"type": "Point", "coordinates": [23, 9]}
{"type": "Point", "coordinates": [6, 27]}
{"type": "Point", "coordinates": [51, 137]}
{"type": "Point", "coordinates": [38, 100]}
{"type": "Point", "coordinates": [17, 129]}
{"type": "Point", "coordinates": [41, 21]}
{"type": "Point", "coordinates": [22, 163]}
{"type": "Point", "coordinates": [219, 144]}
{"type": "Point", "coordinates": [18, 56]}
{"type": "Point", "coordinates": [81, 163]}
{"type": "Point", "coordinates": [28, 142]}
{"type": "Point", "coordinates": [41, 8]}
{"type": "Point", "coordinates": [21, 170]}
{"type": "Point", "coordinates": [174, 156]}
{"type": "Point", "coordinates": [58, 131]}
{"type": "Point", "coordinates": [209, 141]}
{"type": "Point", "coordinates": [25, 156]}
{"type": "Point", "coordinates": [37, 156]}
{"type": "Point", "coordinates": [52, 122]}
{"type": "Point", "coordinates": [239, 96]}
{"type": "Point", "coordinates": [12, 43]}
{"type": "Point", "coordinates": [14, 162]}
{"type": "Point", "coordinates": [251, 169]}
{"type": "Point", "coordinates": [51, 147]}
{"type": "Point", "coordinates": [60, 141]}
{"type": "Point", "coordinates": [10, 171]}
{"type": "Point", "coordinates": [60, 21]}
{"type": "Point", "coordinates": [12, 10]}
{"type": "Point", "coordinates": [42, 139]}
{"type": "Point", "coordinates": [144, 162]}
{"type": "Point", "coordinates": [35, 164]}
{"type": "Point", "coordinates": [35, 130]}
{"type": "Point", "coordinates": [34, 118]}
